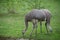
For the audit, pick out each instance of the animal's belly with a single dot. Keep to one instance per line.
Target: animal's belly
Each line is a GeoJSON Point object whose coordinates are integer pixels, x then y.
{"type": "Point", "coordinates": [38, 18]}
{"type": "Point", "coordinates": [41, 19]}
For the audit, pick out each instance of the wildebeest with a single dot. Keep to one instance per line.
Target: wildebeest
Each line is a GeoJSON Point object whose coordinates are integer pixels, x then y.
{"type": "Point", "coordinates": [36, 16]}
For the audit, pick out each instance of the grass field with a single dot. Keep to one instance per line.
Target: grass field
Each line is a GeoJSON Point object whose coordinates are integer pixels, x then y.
{"type": "Point", "coordinates": [11, 25]}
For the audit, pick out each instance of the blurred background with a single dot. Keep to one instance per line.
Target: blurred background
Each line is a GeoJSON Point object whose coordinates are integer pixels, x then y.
{"type": "Point", "coordinates": [12, 14]}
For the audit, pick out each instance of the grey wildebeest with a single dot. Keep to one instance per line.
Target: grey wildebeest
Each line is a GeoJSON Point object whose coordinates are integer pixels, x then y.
{"type": "Point", "coordinates": [36, 16]}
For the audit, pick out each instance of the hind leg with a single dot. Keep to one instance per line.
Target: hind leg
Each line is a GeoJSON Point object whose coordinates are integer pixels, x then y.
{"type": "Point", "coordinates": [48, 27]}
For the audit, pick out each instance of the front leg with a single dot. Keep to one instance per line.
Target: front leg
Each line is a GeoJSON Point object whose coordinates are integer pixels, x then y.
{"type": "Point", "coordinates": [34, 23]}
{"type": "Point", "coordinates": [41, 26]}
{"type": "Point", "coordinates": [26, 27]}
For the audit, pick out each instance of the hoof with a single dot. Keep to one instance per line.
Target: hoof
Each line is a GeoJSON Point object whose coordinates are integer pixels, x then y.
{"type": "Point", "coordinates": [51, 31]}
{"type": "Point", "coordinates": [22, 33]}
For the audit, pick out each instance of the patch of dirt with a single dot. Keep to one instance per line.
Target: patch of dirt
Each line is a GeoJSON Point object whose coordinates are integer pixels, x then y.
{"type": "Point", "coordinates": [9, 38]}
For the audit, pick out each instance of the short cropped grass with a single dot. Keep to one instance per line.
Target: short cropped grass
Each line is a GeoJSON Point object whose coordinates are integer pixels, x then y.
{"type": "Point", "coordinates": [11, 25]}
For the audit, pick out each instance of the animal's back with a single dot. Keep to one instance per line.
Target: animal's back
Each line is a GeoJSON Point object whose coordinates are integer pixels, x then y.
{"type": "Point", "coordinates": [37, 14]}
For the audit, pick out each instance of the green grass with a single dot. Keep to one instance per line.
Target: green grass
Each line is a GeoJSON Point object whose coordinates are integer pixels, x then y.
{"type": "Point", "coordinates": [11, 25]}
